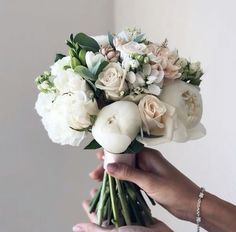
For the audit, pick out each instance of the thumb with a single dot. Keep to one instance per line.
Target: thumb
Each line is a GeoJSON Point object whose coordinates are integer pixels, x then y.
{"type": "Point", "coordinates": [88, 227]}
{"type": "Point", "coordinates": [143, 179]}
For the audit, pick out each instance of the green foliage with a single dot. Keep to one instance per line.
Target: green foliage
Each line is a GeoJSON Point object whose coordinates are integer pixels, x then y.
{"type": "Point", "coordinates": [93, 145]}
{"type": "Point", "coordinates": [110, 39]}
{"type": "Point", "coordinates": [134, 147]}
{"type": "Point", "coordinates": [100, 66]}
{"type": "Point", "coordinates": [45, 83]}
{"type": "Point", "coordinates": [59, 56]}
{"type": "Point", "coordinates": [85, 73]}
{"type": "Point", "coordinates": [82, 55]}
{"type": "Point", "coordinates": [86, 42]}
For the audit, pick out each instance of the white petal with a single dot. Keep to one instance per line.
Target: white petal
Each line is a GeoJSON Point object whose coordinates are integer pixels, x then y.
{"type": "Point", "coordinates": [154, 89]}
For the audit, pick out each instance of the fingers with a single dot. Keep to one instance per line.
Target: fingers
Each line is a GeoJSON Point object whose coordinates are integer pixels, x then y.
{"type": "Point", "coordinates": [97, 174]}
{"type": "Point", "coordinates": [88, 227]}
{"type": "Point", "coordinates": [160, 226]}
{"type": "Point", "coordinates": [100, 154]}
{"type": "Point", "coordinates": [144, 180]}
{"type": "Point", "coordinates": [92, 216]}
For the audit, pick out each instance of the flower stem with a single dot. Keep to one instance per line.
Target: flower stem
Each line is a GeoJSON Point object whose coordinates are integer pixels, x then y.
{"type": "Point", "coordinates": [102, 199]}
{"type": "Point", "coordinates": [113, 202]}
{"type": "Point", "coordinates": [123, 202]}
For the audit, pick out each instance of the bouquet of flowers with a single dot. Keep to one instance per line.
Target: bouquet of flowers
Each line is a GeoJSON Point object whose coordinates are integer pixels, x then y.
{"type": "Point", "coordinates": [127, 92]}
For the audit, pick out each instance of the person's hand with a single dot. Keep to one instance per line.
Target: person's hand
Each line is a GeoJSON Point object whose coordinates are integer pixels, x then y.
{"type": "Point", "coordinates": [159, 179]}
{"type": "Point", "coordinates": [92, 227]}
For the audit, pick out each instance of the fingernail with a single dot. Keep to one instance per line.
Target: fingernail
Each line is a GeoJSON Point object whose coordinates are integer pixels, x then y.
{"type": "Point", "coordinates": [77, 228]}
{"type": "Point", "coordinates": [112, 168]}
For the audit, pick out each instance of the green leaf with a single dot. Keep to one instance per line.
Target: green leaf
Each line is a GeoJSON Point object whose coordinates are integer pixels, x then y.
{"type": "Point", "coordinates": [102, 65]}
{"type": "Point", "coordinates": [81, 130]}
{"type": "Point", "coordinates": [85, 73]}
{"type": "Point", "coordinates": [69, 44]}
{"type": "Point", "coordinates": [93, 145]}
{"type": "Point", "coordinates": [110, 39]}
{"type": "Point", "coordinates": [59, 56]}
{"type": "Point", "coordinates": [71, 37]}
{"type": "Point", "coordinates": [82, 55]}
{"type": "Point", "coordinates": [75, 62]}
{"type": "Point", "coordinates": [139, 38]}
{"type": "Point", "coordinates": [87, 42]}
{"type": "Point", "coordinates": [134, 147]}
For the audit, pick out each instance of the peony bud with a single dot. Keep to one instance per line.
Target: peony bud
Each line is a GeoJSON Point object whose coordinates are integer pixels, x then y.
{"type": "Point", "coordinates": [117, 125]}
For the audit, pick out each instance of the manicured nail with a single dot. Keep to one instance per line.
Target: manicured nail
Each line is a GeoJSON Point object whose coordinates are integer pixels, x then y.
{"type": "Point", "coordinates": [77, 228]}
{"type": "Point", "coordinates": [112, 168]}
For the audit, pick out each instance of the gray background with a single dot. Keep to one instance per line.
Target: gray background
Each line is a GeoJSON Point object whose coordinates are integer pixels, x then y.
{"type": "Point", "coordinates": [43, 184]}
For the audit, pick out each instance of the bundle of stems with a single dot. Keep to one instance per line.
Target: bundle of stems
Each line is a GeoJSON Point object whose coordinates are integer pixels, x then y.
{"type": "Point", "coordinates": [120, 203]}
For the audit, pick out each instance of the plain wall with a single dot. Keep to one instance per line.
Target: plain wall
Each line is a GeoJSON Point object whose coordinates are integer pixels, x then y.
{"type": "Point", "coordinates": [42, 184]}
{"type": "Point", "coordinates": [203, 30]}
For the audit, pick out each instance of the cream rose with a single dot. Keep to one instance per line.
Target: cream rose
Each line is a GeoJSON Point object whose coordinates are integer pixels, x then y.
{"type": "Point", "coordinates": [157, 118]}
{"type": "Point", "coordinates": [187, 100]}
{"type": "Point", "coordinates": [112, 81]}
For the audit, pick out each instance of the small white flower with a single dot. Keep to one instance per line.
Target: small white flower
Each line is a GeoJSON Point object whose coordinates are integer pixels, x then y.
{"type": "Point", "coordinates": [129, 63]}
{"type": "Point", "coordinates": [93, 59]}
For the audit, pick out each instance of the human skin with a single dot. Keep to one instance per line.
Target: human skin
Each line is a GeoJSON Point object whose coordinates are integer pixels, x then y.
{"type": "Point", "coordinates": [171, 189]}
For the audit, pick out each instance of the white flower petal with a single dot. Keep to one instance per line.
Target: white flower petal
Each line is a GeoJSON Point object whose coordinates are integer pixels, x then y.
{"type": "Point", "coordinates": [154, 89]}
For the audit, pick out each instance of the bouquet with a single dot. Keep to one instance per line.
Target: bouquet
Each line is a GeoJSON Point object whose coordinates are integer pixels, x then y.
{"type": "Point", "coordinates": [128, 92]}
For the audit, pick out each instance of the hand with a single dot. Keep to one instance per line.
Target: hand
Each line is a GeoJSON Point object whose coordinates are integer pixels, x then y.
{"type": "Point", "coordinates": [92, 227]}
{"type": "Point", "coordinates": [160, 180]}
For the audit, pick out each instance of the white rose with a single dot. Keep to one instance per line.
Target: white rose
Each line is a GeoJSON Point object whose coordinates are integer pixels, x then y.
{"type": "Point", "coordinates": [58, 67]}
{"type": "Point", "coordinates": [187, 100]}
{"type": "Point", "coordinates": [70, 81]}
{"type": "Point", "coordinates": [117, 125]}
{"type": "Point", "coordinates": [112, 81]}
{"type": "Point", "coordinates": [66, 112]}
{"type": "Point", "coordinates": [158, 120]}
{"type": "Point", "coordinates": [132, 48]}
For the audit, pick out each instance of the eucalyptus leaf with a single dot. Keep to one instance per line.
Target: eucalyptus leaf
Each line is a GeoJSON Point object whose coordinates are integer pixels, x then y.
{"type": "Point", "coordinates": [85, 73]}
{"type": "Point", "coordinates": [134, 147]}
{"type": "Point", "coordinates": [87, 42]}
{"type": "Point", "coordinates": [110, 39]}
{"type": "Point", "coordinates": [93, 145]}
{"type": "Point", "coordinates": [102, 65]}
{"type": "Point", "coordinates": [59, 56]}
{"type": "Point", "coordinates": [139, 38]}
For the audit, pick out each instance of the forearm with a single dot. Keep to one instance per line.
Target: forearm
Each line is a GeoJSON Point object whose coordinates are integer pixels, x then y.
{"type": "Point", "coordinates": [217, 215]}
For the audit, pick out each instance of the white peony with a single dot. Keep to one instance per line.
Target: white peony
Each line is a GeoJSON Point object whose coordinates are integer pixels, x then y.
{"type": "Point", "coordinates": [65, 112]}
{"type": "Point", "coordinates": [117, 125]}
{"type": "Point", "coordinates": [70, 81]}
{"type": "Point", "coordinates": [187, 100]}
{"type": "Point", "coordinates": [58, 67]}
